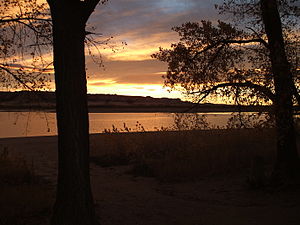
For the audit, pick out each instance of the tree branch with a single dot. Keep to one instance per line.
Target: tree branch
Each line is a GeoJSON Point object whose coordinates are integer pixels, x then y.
{"type": "Point", "coordinates": [258, 36]}
{"type": "Point", "coordinates": [257, 40]}
{"type": "Point", "coordinates": [30, 27]}
{"type": "Point", "coordinates": [296, 94]}
{"type": "Point", "coordinates": [16, 78]}
{"type": "Point", "coordinates": [22, 19]}
{"type": "Point", "coordinates": [265, 91]}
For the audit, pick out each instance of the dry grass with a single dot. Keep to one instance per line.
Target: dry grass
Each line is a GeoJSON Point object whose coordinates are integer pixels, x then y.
{"type": "Point", "coordinates": [170, 156]}
{"type": "Point", "coordinates": [24, 197]}
{"type": "Point", "coordinates": [184, 155]}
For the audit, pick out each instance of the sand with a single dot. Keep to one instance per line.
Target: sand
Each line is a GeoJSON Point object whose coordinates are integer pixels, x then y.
{"type": "Point", "coordinates": [124, 199]}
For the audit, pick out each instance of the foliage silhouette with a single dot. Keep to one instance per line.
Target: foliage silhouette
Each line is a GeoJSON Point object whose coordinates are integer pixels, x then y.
{"type": "Point", "coordinates": [25, 38]}
{"type": "Point", "coordinates": [255, 61]}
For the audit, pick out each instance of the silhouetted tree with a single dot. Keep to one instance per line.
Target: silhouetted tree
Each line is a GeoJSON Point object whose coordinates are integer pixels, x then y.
{"type": "Point", "coordinates": [74, 201]}
{"type": "Point", "coordinates": [26, 30]}
{"type": "Point", "coordinates": [25, 36]}
{"type": "Point", "coordinates": [242, 64]}
{"type": "Point", "coordinates": [288, 163]}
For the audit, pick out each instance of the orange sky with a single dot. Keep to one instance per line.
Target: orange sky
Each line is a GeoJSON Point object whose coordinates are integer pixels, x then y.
{"type": "Point", "coordinates": [145, 26]}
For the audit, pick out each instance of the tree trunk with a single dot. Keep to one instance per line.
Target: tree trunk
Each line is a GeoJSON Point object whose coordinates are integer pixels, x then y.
{"type": "Point", "coordinates": [287, 162]}
{"type": "Point", "coordinates": [74, 201]}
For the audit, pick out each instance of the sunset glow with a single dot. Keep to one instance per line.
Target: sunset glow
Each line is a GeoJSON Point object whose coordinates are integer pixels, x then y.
{"type": "Point", "coordinates": [136, 30]}
{"type": "Point", "coordinates": [144, 26]}
{"type": "Point", "coordinates": [153, 90]}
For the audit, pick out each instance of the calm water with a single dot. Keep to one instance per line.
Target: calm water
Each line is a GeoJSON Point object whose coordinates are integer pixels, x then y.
{"type": "Point", "coordinates": [20, 124]}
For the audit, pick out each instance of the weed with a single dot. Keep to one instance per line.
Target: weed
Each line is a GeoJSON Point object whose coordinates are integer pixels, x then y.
{"type": "Point", "coordinates": [138, 128]}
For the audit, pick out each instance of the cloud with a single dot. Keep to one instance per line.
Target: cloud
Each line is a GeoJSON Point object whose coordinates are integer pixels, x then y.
{"type": "Point", "coordinates": [131, 89]}
{"type": "Point", "coordinates": [104, 82]}
{"type": "Point", "coordinates": [30, 69]}
{"type": "Point", "coordinates": [145, 26]}
{"type": "Point", "coordinates": [131, 72]}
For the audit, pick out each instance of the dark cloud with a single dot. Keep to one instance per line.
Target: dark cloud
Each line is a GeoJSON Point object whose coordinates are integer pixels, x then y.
{"type": "Point", "coordinates": [123, 16]}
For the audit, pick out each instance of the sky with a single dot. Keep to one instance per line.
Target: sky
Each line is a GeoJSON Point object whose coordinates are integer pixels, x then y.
{"type": "Point", "coordinates": [144, 25]}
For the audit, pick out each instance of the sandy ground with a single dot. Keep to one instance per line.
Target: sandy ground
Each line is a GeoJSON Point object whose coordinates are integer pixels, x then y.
{"type": "Point", "coordinates": [124, 199]}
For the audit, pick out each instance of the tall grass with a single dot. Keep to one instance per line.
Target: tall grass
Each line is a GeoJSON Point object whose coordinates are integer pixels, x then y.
{"type": "Point", "coordinates": [24, 197]}
{"type": "Point", "coordinates": [14, 171]}
{"type": "Point", "coordinates": [185, 155]}
{"type": "Point", "coordinates": [190, 148]}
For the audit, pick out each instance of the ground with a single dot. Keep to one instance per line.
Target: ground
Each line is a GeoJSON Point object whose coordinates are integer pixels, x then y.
{"type": "Point", "coordinates": [123, 198]}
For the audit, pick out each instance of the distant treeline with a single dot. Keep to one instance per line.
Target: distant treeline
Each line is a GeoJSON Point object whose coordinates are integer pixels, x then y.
{"type": "Point", "coordinates": [29, 100]}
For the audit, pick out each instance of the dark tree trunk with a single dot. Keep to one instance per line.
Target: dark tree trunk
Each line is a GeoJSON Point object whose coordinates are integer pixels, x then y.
{"type": "Point", "coordinates": [74, 201]}
{"type": "Point", "coordinates": [287, 163]}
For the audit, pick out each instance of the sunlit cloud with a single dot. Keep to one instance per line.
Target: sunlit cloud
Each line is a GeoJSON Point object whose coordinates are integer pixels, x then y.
{"type": "Point", "coordinates": [134, 53]}
{"type": "Point", "coordinates": [144, 26]}
{"type": "Point", "coordinates": [161, 73]}
{"type": "Point", "coordinates": [101, 82]}
{"type": "Point", "coordinates": [44, 61]}
{"type": "Point", "coordinates": [29, 69]}
{"type": "Point", "coordinates": [133, 90]}
{"type": "Point", "coordinates": [138, 47]}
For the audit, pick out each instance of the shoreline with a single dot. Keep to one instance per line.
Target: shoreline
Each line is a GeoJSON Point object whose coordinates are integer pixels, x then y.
{"type": "Point", "coordinates": [95, 136]}
{"type": "Point", "coordinates": [45, 101]}
{"type": "Point", "coordinates": [122, 197]}
{"type": "Point", "coordinates": [102, 134]}
{"type": "Point", "coordinates": [118, 109]}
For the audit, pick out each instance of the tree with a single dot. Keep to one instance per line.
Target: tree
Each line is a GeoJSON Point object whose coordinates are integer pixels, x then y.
{"type": "Point", "coordinates": [74, 201]}
{"type": "Point", "coordinates": [226, 60]}
{"type": "Point", "coordinates": [27, 30]}
{"type": "Point", "coordinates": [25, 35]}
{"type": "Point", "coordinates": [26, 45]}
{"type": "Point", "coordinates": [288, 163]}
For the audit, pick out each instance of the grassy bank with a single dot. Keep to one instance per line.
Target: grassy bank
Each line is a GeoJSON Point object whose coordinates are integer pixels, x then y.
{"type": "Point", "coordinates": [24, 197]}
{"type": "Point", "coordinates": [184, 155]}
{"type": "Point", "coordinates": [216, 161]}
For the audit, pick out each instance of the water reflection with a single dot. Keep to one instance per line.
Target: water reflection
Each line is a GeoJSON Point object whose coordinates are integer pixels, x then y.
{"type": "Point", "coordinates": [19, 124]}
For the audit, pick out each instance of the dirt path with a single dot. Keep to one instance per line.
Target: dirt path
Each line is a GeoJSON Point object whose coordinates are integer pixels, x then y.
{"type": "Point", "coordinates": [124, 199]}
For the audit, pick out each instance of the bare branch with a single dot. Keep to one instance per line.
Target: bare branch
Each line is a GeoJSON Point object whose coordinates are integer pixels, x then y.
{"type": "Point", "coordinates": [258, 40]}
{"type": "Point", "coordinates": [24, 19]}
{"type": "Point", "coordinates": [16, 77]}
{"type": "Point", "coordinates": [30, 27]}
{"type": "Point", "coordinates": [258, 36]}
{"type": "Point", "coordinates": [265, 91]}
{"type": "Point", "coordinates": [296, 94]}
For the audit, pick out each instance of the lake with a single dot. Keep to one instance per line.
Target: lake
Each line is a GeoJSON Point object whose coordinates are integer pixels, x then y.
{"type": "Point", "coordinates": [21, 124]}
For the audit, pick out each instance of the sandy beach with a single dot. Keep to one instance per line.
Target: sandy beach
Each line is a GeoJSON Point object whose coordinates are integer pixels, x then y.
{"type": "Point", "coordinates": [122, 198]}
